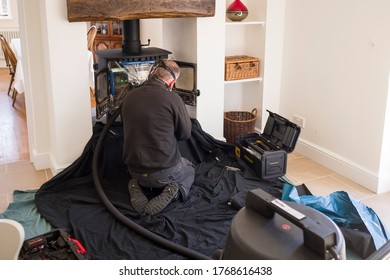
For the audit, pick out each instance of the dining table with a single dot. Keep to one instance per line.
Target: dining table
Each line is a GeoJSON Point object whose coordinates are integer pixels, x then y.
{"type": "Point", "coordinates": [18, 79]}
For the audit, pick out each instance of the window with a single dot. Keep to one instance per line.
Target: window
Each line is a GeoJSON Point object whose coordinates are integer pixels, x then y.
{"type": "Point", "coordinates": [4, 9]}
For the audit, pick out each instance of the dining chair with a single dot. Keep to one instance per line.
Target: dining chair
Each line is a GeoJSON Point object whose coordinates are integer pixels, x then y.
{"type": "Point", "coordinates": [12, 236]}
{"type": "Point", "coordinates": [91, 34]}
{"type": "Point", "coordinates": [11, 62]}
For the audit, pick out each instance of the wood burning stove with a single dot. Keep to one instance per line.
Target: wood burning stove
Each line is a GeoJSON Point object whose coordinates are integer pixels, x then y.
{"type": "Point", "coordinates": [120, 70]}
{"type": "Point", "coordinates": [113, 81]}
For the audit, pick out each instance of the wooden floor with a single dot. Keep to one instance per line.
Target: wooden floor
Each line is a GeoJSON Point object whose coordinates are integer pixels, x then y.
{"type": "Point", "coordinates": [13, 125]}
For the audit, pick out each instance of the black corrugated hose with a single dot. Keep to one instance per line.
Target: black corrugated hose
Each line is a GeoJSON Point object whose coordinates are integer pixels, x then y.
{"type": "Point", "coordinates": [173, 247]}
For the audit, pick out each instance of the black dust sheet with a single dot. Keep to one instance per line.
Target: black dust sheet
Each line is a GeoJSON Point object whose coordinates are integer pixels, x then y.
{"type": "Point", "coordinates": [70, 200]}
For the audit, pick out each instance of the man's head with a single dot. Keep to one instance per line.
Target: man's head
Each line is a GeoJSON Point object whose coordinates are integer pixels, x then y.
{"type": "Point", "coordinates": [168, 71]}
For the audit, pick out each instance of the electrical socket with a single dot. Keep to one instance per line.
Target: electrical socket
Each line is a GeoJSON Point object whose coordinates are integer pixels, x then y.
{"type": "Point", "coordinates": [300, 121]}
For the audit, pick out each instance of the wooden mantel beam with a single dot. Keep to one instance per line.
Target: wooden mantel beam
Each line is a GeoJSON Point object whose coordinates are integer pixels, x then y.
{"type": "Point", "coordinates": [95, 10]}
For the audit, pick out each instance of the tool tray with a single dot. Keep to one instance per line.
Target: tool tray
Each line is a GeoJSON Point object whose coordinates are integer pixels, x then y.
{"type": "Point", "coordinates": [266, 153]}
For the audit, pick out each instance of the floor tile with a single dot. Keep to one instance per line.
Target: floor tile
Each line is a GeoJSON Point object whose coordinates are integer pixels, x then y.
{"type": "Point", "coordinates": [324, 186]}
{"type": "Point", "coordinates": [303, 169]}
{"type": "Point", "coordinates": [20, 165]}
{"type": "Point", "coordinates": [364, 191]}
{"type": "Point", "coordinates": [3, 202]}
{"type": "Point", "coordinates": [380, 204]}
{"type": "Point", "coordinates": [22, 180]}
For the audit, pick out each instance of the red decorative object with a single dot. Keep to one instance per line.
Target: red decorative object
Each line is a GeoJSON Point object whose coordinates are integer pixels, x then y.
{"type": "Point", "coordinates": [237, 11]}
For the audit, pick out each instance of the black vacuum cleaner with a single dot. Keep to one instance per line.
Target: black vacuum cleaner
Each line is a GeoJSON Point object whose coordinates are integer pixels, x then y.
{"type": "Point", "coordinates": [270, 229]}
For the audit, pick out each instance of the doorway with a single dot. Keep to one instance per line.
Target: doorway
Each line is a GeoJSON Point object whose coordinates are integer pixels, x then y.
{"type": "Point", "coordinates": [13, 124]}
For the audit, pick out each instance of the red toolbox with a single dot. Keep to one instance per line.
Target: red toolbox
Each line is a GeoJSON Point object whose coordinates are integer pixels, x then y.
{"type": "Point", "coordinates": [53, 245]}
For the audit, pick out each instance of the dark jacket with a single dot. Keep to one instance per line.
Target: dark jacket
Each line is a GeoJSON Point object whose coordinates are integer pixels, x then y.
{"type": "Point", "coordinates": [154, 119]}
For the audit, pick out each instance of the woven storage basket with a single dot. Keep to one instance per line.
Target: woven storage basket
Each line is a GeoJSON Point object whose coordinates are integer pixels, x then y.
{"type": "Point", "coordinates": [237, 123]}
{"type": "Point", "coordinates": [239, 67]}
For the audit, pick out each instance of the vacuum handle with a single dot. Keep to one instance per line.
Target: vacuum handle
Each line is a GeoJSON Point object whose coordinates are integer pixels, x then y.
{"type": "Point", "coordinates": [317, 237]}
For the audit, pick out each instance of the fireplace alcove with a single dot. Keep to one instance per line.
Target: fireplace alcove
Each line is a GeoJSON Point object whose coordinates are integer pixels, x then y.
{"type": "Point", "coordinates": [59, 106]}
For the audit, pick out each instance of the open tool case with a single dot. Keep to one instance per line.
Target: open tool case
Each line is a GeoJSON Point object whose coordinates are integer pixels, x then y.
{"type": "Point", "coordinates": [266, 153]}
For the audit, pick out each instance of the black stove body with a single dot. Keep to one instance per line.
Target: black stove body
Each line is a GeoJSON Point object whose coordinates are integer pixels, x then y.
{"type": "Point", "coordinates": [120, 70]}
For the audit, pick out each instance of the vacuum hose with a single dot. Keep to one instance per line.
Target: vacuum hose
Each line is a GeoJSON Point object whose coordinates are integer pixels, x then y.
{"type": "Point", "coordinates": [173, 247]}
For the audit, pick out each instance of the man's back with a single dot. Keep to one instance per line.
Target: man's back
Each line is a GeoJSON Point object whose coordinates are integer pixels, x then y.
{"type": "Point", "coordinates": [154, 119]}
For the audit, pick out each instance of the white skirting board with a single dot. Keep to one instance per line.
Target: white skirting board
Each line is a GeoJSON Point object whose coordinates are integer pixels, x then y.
{"type": "Point", "coordinates": [40, 161]}
{"type": "Point", "coordinates": [355, 172]}
{"type": "Point", "coordinates": [45, 161]}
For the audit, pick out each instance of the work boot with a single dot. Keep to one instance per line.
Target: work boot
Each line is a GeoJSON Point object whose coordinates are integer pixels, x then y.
{"type": "Point", "coordinates": [158, 203]}
{"type": "Point", "coordinates": [137, 198]}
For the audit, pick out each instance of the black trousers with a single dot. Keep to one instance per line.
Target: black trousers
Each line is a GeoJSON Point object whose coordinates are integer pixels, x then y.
{"type": "Point", "coordinates": [183, 174]}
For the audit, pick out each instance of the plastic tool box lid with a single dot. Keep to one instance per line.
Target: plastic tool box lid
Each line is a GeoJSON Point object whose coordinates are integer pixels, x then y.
{"type": "Point", "coordinates": [281, 132]}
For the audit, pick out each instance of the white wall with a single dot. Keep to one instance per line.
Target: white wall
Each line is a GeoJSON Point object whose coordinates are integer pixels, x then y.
{"type": "Point", "coordinates": [57, 83]}
{"type": "Point", "coordinates": [201, 40]}
{"type": "Point", "coordinates": [35, 94]}
{"type": "Point", "coordinates": [336, 65]}
{"type": "Point", "coordinates": [11, 22]}
{"type": "Point", "coordinates": [273, 57]}
{"type": "Point", "coordinates": [151, 29]}
{"type": "Point", "coordinates": [210, 60]}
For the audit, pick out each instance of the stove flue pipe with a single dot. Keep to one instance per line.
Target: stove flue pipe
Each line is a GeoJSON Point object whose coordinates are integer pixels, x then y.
{"type": "Point", "coordinates": [131, 43]}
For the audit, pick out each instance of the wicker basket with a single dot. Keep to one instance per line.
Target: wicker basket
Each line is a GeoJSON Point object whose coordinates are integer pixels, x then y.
{"type": "Point", "coordinates": [237, 123]}
{"type": "Point", "coordinates": [239, 67]}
